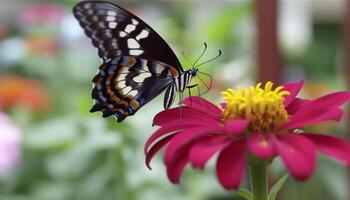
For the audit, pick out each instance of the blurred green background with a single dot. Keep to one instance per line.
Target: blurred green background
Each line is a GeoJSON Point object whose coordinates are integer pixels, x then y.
{"type": "Point", "coordinates": [52, 148]}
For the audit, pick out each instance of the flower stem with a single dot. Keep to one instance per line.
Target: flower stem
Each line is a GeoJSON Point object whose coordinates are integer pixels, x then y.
{"type": "Point", "coordinates": [258, 180]}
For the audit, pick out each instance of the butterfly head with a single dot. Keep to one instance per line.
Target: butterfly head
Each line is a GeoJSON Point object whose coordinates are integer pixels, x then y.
{"type": "Point", "coordinates": [194, 71]}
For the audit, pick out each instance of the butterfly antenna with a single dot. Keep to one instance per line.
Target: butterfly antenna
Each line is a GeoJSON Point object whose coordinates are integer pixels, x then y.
{"type": "Point", "coordinates": [210, 59]}
{"type": "Point", "coordinates": [205, 48]}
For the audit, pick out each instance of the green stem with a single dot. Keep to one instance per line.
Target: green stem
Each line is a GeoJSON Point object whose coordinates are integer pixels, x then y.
{"type": "Point", "coordinates": [258, 180]}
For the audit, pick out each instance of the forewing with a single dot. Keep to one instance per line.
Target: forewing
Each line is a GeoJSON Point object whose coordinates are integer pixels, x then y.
{"type": "Point", "coordinates": [115, 31]}
{"type": "Point", "coordinates": [126, 83]}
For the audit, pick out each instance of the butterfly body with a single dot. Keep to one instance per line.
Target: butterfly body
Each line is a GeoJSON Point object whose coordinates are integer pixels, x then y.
{"type": "Point", "coordinates": [137, 63]}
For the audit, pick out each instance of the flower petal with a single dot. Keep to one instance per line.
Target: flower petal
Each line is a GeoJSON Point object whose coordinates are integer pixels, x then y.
{"type": "Point", "coordinates": [155, 148]}
{"type": "Point", "coordinates": [185, 137]}
{"type": "Point", "coordinates": [331, 146]}
{"type": "Point", "coordinates": [331, 100]}
{"type": "Point", "coordinates": [320, 109]}
{"type": "Point", "coordinates": [171, 127]}
{"type": "Point", "coordinates": [293, 88]}
{"type": "Point", "coordinates": [236, 127]}
{"type": "Point", "coordinates": [230, 165]}
{"type": "Point", "coordinates": [297, 153]}
{"type": "Point", "coordinates": [261, 146]}
{"type": "Point", "coordinates": [203, 105]}
{"type": "Point", "coordinates": [183, 113]}
{"type": "Point", "coordinates": [203, 149]}
{"type": "Point", "coordinates": [312, 116]}
{"type": "Point", "coordinates": [295, 105]}
{"type": "Point", "coordinates": [178, 163]}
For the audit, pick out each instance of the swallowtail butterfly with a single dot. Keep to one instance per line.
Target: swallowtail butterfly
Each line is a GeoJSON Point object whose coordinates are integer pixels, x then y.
{"type": "Point", "coordinates": [137, 63]}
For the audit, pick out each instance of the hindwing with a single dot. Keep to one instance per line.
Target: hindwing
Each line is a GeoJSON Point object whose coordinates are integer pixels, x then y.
{"type": "Point", "coordinates": [126, 83]}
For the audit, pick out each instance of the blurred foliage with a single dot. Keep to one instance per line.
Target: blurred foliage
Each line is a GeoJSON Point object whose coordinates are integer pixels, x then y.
{"type": "Point", "coordinates": [69, 153]}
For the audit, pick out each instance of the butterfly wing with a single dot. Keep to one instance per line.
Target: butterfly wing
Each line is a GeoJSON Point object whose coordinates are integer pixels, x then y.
{"type": "Point", "coordinates": [115, 32]}
{"type": "Point", "coordinates": [126, 83]}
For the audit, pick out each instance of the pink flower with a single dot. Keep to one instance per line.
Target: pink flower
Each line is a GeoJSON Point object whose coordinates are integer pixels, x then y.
{"type": "Point", "coordinates": [42, 13]}
{"type": "Point", "coordinates": [10, 137]}
{"type": "Point", "coordinates": [262, 122]}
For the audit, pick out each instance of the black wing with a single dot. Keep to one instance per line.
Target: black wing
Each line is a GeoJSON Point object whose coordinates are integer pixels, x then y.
{"type": "Point", "coordinates": [126, 83]}
{"type": "Point", "coordinates": [115, 32]}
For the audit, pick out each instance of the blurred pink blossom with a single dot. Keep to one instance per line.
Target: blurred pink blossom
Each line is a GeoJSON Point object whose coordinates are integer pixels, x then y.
{"type": "Point", "coordinates": [42, 13]}
{"type": "Point", "coordinates": [10, 138]}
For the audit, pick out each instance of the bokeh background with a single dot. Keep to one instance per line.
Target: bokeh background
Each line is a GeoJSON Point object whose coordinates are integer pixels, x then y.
{"type": "Point", "coordinates": [52, 148]}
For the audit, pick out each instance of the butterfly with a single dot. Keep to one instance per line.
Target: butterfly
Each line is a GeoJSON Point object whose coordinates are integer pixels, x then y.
{"type": "Point", "coordinates": [137, 65]}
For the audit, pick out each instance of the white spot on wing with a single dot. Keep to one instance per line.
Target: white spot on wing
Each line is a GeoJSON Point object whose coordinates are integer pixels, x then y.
{"type": "Point", "coordinates": [141, 77]}
{"type": "Point", "coordinates": [142, 35]}
{"type": "Point", "coordinates": [121, 77]}
{"type": "Point", "coordinates": [133, 44]}
{"type": "Point", "coordinates": [111, 13]}
{"type": "Point", "coordinates": [134, 21]}
{"type": "Point", "coordinates": [112, 24]}
{"type": "Point", "coordinates": [126, 90]}
{"type": "Point", "coordinates": [121, 84]}
{"type": "Point", "coordinates": [133, 93]}
{"type": "Point", "coordinates": [110, 18]}
{"type": "Point", "coordinates": [122, 34]}
{"type": "Point", "coordinates": [135, 52]}
{"type": "Point", "coordinates": [130, 28]}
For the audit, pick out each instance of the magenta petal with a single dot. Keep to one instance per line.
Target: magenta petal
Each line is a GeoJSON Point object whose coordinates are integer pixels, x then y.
{"type": "Point", "coordinates": [186, 137]}
{"type": "Point", "coordinates": [203, 105]}
{"type": "Point", "coordinates": [203, 149]}
{"type": "Point", "coordinates": [331, 100]}
{"type": "Point", "coordinates": [293, 88]}
{"type": "Point", "coordinates": [295, 105]}
{"type": "Point", "coordinates": [261, 145]}
{"type": "Point", "coordinates": [171, 127]}
{"type": "Point", "coordinates": [230, 165]}
{"type": "Point", "coordinates": [183, 113]}
{"type": "Point", "coordinates": [177, 165]}
{"type": "Point", "coordinates": [155, 148]}
{"type": "Point", "coordinates": [297, 153]}
{"type": "Point", "coordinates": [236, 127]}
{"type": "Point", "coordinates": [331, 146]}
{"type": "Point", "coordinates": [311, 116]}
{"type": "Point", "coordinates": [321, 109]}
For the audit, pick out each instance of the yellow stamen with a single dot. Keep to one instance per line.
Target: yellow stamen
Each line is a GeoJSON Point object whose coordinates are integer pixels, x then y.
{"type": "Point", "coordinates": [263, 106]}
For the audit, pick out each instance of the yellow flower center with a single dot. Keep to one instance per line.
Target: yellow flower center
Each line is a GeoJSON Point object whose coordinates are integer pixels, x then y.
{"type": "Point", "coordinates": [262, 106]}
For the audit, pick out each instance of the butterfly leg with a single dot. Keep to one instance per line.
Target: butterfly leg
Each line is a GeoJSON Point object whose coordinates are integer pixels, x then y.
{"type": "Point", "coordinates": [189, 93]}
{"type": "Point", "coordinates": [181, 99]}
{"type": "Point", "coordinates": [200, 98]}
{"type": "Point", "coordinates": [199, 95]}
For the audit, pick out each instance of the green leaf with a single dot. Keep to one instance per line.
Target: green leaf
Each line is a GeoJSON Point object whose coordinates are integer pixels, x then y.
{"type": "Point", "coordinates": [277, 187]}
{"type": "Point", "coordinates": [244, 193]}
